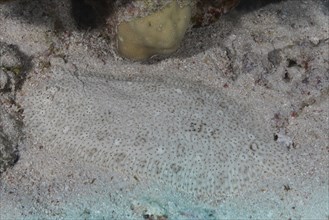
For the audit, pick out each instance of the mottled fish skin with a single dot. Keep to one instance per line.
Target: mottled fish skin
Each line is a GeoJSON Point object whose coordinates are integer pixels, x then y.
{"type": "Point", "coordinates": [184, 135]}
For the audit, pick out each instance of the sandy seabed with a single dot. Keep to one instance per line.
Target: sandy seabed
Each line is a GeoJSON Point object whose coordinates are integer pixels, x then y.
{"type": "Point", "coordinates": [273, 58]}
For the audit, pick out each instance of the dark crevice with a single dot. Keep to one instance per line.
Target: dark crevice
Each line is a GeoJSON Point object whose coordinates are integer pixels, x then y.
{"type": "Point", "coordinates": [90, 14]}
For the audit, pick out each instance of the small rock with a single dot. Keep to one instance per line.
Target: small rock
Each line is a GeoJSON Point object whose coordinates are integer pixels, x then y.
{"type": "Point", "coordinates": [315, 40]}
{"type": "Point", "coordinates": [10, 133]}
{"type": "Point", "coordinates": [8, 56]}
{"type": "Point", "coordinates": [3, 79]}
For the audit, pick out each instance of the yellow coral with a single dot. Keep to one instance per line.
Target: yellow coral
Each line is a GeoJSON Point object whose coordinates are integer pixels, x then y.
{"type": "Point", "coordinates": [158, 33]}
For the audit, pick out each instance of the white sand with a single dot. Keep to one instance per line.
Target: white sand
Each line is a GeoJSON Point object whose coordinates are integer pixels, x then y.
{"type": "Point", "coordinates": [273, 58]}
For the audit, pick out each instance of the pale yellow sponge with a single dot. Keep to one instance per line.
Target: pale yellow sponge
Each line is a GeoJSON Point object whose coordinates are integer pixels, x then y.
{"type": "Point", "coordinates": [158, 33]}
